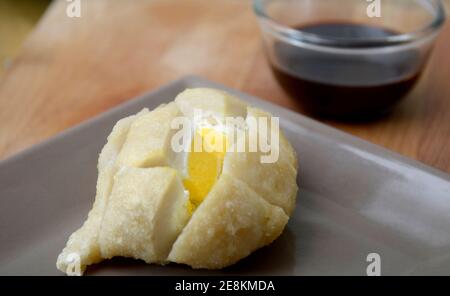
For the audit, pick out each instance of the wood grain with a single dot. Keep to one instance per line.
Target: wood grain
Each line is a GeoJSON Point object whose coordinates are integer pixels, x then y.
{"type": "Point", "coordinates": [72, 69]}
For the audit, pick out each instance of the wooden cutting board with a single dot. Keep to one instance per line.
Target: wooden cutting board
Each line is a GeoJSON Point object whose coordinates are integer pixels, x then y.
{"type": "Point", "coordinates": [70, 69]}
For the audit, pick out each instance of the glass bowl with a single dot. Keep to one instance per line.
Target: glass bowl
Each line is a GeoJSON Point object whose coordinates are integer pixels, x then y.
{"type": "Point", "coordinates": [348, 59]}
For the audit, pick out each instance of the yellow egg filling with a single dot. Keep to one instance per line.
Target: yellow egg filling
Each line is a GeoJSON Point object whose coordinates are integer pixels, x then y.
{"type": "Point", "coordinates": [204, 164]}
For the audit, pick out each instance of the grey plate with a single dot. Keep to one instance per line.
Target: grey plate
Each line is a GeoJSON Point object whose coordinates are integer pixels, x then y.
{"type": "Point", "coordinates": [356, 198]}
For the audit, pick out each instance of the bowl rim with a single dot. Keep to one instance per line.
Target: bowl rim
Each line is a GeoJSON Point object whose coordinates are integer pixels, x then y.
{"type": "Point", "coordinates": [319, 40]}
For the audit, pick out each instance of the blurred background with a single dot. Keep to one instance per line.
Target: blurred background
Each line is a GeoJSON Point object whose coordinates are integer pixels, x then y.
{"type": "Point", "coordinates": [17, 20]}
{"type": "Point", "coordinates": [58, 71]}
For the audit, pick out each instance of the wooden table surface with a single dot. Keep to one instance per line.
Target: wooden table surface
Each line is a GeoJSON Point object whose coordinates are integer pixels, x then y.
{"type": "Point", "coordinates": [71, 69]}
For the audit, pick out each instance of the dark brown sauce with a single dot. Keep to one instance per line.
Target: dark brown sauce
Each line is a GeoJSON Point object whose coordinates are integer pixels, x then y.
{"type": "Point", "coordinates": [345, 86]}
